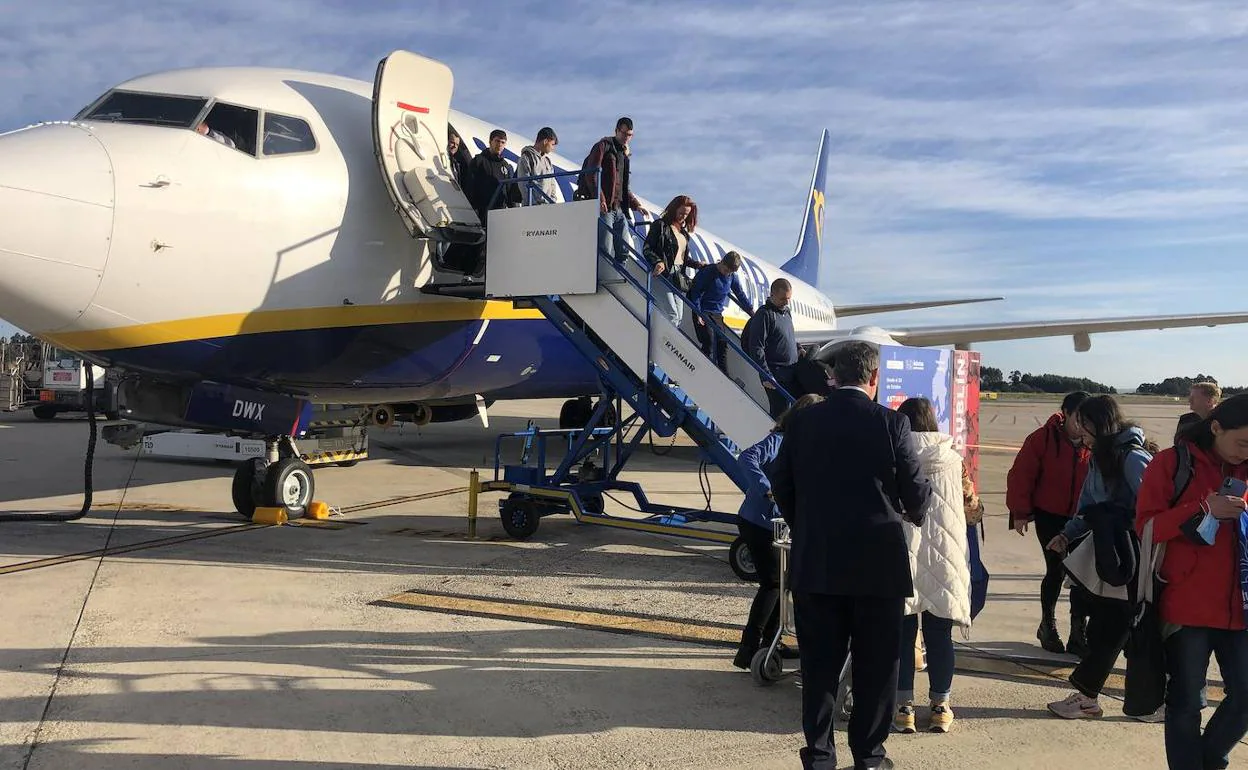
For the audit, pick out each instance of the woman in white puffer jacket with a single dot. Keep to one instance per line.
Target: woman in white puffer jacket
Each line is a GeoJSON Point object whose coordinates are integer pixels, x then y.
{"type": "Point", "coordinates": [940, 563]}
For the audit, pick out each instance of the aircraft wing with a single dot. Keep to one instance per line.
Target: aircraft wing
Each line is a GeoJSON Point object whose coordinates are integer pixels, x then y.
{"type": "Point", "coordinates": [843, 311]}
{"type": "Point", "coordinates": [923, 336]}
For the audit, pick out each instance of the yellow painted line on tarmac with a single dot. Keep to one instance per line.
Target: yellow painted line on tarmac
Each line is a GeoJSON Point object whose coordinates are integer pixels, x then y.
{"type": "Point", "coordinates": [563, 615]}
{"type": "Point", "coordinates": [162, 542]}
{"type": "Point", "coordinates": [996, 447]}
{"type": "Point", "coordinates": [969, 660]}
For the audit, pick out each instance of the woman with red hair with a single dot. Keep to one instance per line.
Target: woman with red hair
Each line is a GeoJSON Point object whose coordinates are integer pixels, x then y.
{"type": "Point", "coordinates": [667, 251]}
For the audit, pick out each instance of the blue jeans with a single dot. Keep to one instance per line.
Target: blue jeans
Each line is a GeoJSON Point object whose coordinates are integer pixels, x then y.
{"type": "Point", "coordinates": [675, 308]}
{"type": "Point", "coordinates": [938, 637]}
{"type": "Point", "coordinates": [611, 234]}
{"type": "Point", "coordinates": [1187, 661]}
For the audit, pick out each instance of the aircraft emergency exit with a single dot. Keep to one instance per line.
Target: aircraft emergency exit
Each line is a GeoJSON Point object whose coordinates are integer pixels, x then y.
{"type": "Point", "coordinates": [243, 239]}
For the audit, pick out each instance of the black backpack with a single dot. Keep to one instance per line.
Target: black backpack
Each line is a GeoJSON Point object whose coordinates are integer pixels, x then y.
{"type": "Point", "coordinates": [585, 180]}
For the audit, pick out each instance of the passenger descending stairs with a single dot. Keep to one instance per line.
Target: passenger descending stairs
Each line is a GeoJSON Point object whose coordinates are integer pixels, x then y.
{"type": "Point", "coordinates": [657, 370]}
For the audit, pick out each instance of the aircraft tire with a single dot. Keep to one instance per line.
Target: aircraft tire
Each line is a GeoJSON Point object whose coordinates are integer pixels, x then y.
{"type": "Point", "coordinates": [575, 413]}
{"type": "Point", "coordinates": [243, 490]}
{"type": "Point", "coordinates": [44, 412]}
{"type": "Point", "coordinates": [288, 483]}
{"type": "Point", "coordinates": [742, 561]}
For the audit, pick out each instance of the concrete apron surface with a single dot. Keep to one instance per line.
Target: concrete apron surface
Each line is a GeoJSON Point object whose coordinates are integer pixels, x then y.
{"type": "Point", "coordinates": [176, 636]}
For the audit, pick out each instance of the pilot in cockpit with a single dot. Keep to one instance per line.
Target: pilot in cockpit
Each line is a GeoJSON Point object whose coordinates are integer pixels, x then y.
{"type": "Point", "coordinates": [212, 133]}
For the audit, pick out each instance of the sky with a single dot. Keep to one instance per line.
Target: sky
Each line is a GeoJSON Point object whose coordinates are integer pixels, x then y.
{"type": "Point", "coordinates": [1080, 159]}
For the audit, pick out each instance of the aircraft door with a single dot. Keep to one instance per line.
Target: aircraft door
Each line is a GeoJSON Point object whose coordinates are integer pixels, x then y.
{"type": "Point", "coordinates": [411, 102]}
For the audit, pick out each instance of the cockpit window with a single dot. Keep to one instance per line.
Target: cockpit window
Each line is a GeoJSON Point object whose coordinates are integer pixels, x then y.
{"type": "Point", "coordinates": [238, 125]}
{"type": "Point", "coordinates": [151, 109]}
{"type": "Point", "coordinates": [284, 135]}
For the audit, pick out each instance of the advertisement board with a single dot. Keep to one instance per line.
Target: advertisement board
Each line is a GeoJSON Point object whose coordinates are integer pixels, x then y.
{"type": "Point", "coordinates": [947, 378]}
{"type": "Point", "coordinates": [907, 372]}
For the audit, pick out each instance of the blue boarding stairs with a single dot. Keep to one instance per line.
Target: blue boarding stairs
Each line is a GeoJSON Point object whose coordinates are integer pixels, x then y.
{"type": "Point", "coordinates": [654, 379]}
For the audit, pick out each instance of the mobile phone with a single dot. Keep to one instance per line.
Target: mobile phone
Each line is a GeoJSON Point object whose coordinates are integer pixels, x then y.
{"type": "Point", "coordinates": [1233, 487]}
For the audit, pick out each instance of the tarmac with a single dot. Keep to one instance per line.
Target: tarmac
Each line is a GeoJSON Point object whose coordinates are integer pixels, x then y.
{"type": "Point", "coordinates": [163, 631]}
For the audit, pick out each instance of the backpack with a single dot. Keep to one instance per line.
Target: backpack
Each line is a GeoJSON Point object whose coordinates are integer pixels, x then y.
{"type": "Point", "coordinates": [585, 181]}
{"type": "Point", "coordinates": [1183, 470]}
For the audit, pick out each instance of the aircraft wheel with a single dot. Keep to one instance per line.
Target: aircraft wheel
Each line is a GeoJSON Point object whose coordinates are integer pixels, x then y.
{"type": "Point", "coordinates": [520, 516]}
{"type": "Point", "coordinates": [575, 413]}
{"type": "Point", "coordinates": [44, 412]}
{"type": "Point", "coordinates": [765, 668]}
{"type": "Point", "coordinates": [288, 484]}
{"type": "Point", "coordinates": [245, 491]}
{"type": "Point", "coordinates": [742, 561]}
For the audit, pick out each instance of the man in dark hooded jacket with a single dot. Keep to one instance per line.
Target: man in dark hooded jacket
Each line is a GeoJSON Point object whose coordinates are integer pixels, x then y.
{"type": "Point", "coordinates": [486, 173]}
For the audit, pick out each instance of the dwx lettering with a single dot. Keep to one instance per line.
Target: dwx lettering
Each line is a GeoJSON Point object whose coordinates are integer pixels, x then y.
{"type": "Point", "coordinates": [249, 410]}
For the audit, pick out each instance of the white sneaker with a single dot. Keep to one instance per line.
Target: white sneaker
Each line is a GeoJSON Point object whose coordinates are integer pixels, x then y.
{"type": "Point", "coordinates": [1077, 706]}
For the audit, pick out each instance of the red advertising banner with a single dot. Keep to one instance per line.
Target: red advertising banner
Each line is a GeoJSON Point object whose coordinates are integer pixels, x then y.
{"type": "Point", "coordinates": [964, 409]}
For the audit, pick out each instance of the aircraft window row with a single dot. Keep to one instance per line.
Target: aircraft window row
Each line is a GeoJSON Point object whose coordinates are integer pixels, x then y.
{"type": "Point", "coordinates": [812, 312]}
{"type": "Point", "coordinates": [150, 109]}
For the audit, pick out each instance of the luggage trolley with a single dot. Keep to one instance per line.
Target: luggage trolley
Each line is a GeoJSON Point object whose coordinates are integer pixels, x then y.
{"type": "Point", "coordinates": [767, 666]}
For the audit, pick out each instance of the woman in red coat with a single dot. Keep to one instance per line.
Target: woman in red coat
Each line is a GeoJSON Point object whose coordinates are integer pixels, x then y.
{"type": "Point", "coordinates": [1201, 603]}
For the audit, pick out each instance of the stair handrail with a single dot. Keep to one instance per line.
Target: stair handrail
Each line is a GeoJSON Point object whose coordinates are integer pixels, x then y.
{"type": "Point", "coordinates": [720, 333]}
{"type": "Point", "coordinates": [640, 260]}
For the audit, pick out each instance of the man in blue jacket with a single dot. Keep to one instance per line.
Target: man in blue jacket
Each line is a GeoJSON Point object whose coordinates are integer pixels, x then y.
{"type": "Point", "coordinates": [709, 296]}
{"type": "Point", "coordinates": [769, 339]}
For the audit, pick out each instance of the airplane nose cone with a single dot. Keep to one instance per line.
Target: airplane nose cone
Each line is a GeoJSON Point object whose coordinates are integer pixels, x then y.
{"type": "Point", "coordinates": [56, 224]}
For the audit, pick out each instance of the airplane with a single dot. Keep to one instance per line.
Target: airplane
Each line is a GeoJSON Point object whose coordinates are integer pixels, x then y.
{"type": "Point", "coordinates": [244, 242]}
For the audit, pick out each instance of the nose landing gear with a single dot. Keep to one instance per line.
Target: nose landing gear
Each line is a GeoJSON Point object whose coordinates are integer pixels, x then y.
{"type": "Point", "coordinates": [279, 480]}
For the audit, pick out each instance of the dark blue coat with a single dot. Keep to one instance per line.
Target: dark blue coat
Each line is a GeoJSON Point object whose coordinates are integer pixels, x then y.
{"type": "Point", "coordinates": [847, 479]}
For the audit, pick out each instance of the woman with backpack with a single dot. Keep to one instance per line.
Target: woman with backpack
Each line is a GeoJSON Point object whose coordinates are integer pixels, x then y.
{"type": "Point", "coordinates": [754, 524]}
{"type": "Point", "coordinates": [1199, 517]}
{"type": "Point", "coordinates": [1106, 514]}
{"type": "Point", "coordinates": [941, 568]}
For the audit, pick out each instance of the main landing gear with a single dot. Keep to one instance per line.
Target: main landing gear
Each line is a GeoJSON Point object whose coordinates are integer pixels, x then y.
{"type": "Point", "coordinates": [278, 480]}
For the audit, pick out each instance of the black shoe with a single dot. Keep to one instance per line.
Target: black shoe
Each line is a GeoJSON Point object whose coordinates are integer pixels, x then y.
{"type": "Point", "coordinates": [786, 652]}
{"type": "Point", "coordinates": [885, 764]}
{"type": "Point", "coordinates": [1050, 640]}
{"type": "Point", "coordinates": [1078, 643]}
{"type": "Point", "coordinates": [743, 657]}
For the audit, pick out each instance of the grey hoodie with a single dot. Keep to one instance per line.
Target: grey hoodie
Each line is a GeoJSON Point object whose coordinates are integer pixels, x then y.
{"type": "Point", "coordinates": [533, 163]}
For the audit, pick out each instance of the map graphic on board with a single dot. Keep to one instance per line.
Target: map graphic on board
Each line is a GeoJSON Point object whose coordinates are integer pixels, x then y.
{"type": "Point", "coordinates": [906, 372]}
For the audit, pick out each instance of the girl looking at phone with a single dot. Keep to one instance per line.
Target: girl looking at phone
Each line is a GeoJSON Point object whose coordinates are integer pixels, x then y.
{"type": "Point", "coordinates": [1201, 604]}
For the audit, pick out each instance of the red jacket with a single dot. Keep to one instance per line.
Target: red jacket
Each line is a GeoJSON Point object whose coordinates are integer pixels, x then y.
{"type": "Point", "coordinates": [1047, 474]}
{"type": "Point", "coordinates": [1202, 581]}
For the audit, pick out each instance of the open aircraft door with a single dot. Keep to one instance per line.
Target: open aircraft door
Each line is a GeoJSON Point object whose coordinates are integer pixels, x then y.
{"type": "Point", "coordinates": [411, 100]}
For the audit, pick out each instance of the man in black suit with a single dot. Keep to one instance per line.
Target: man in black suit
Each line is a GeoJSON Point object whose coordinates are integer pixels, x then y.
{"type": "Point", "coordinates": [847, 479]}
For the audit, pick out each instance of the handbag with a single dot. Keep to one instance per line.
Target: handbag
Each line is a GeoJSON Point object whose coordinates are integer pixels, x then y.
{"type": "Point", "coordinates": [979, 573]}
{"type": "Point", "coordinates": [1145, 690]}
{"type": "Point", "coordinates": [972, 505]}
{"type": "Point", "coordinates": [1080, 565]}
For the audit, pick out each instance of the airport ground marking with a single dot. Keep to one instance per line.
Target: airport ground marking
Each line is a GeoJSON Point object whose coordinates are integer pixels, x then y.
{"type": "Point", "coordinates": [971, 660]}
{"type": "Point", "coordinates": [162, 542]}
